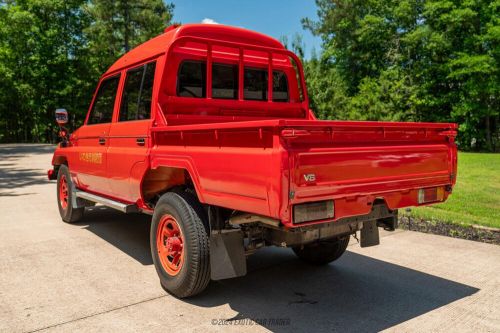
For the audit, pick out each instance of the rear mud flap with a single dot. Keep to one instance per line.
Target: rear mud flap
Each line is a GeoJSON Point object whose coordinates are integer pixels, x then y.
{"type": "Point", "coordinates": [227, 254]}
{"type": "Point", "coordinates": [369, 234]}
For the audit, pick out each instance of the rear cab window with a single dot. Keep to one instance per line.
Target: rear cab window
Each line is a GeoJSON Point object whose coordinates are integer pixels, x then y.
{"type": "Point", "coordinates": [191, 79]}
{"type": "Point", "coordinates": [219, 82]}
{"type": "Point", "coordinates": [191, 82]}
{"type": "Point", "coordinates": [280, 87]}
{"type": "Point", "coordinates": [224, 81]}
{"type": "Point", "coordinates": [255, 83]}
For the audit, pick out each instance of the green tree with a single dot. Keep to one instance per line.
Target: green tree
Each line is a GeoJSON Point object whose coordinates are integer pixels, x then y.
{"type": "Point", "coordinates": [357, 36]}
{"type": "Point", "coordinates": [53, 51]}
{"type": "Point", "coordinates": [118, 26]}
{"type": "Point", "coordinates": [326, 90]}
{"type": "Point", "coordinates": [39, 47]}
{"type": "Point", "coordinates": [390, 97]}
{"type": "Point", "coordinates": [422, 60]}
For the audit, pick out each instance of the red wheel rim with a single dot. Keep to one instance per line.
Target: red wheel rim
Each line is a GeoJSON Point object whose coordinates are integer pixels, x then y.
{"type": "Point", "coordinates": [170, 244]}
{"type": "Point", "coordinates": [63, 192]}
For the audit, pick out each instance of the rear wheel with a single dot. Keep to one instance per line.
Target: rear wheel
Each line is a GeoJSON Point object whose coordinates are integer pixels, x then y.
{"type": "Point", "coordinates": [180, 244]}
{"type": "Point", "coordinates": [65, 196]}
{"type": "Point", "coordinates": [322, 252]}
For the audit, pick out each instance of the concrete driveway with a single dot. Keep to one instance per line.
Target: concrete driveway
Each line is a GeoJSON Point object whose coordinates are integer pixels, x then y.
{"type": "Point", "coordinates": [98, 275]}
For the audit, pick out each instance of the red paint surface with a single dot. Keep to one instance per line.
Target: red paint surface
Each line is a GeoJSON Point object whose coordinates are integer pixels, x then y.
{"type": "Point", "coordinates": [252, 155]}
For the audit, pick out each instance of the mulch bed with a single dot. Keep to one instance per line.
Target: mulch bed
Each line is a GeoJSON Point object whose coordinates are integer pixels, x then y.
{"type": "Point", "coordinates": [475, 233]}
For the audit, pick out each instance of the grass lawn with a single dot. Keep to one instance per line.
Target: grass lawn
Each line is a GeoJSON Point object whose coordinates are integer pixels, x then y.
{"type": "Point", "coordinates": [476, 196]}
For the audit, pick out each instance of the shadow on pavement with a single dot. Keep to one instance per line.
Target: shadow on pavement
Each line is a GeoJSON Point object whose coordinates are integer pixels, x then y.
{"type": "Point", "coordinates": [127, 232]}
{"type": "Point", "coordinates": [13, 177]}
{"type": "Point", "coordinates": [20, 150]}
{"type": "Point", "coordinates": [356, 293]}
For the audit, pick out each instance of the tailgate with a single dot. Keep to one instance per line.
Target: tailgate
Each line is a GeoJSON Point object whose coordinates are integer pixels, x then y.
{"type": "Point", "coordinates": [355, 159]}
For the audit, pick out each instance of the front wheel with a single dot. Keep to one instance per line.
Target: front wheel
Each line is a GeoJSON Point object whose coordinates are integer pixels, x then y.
{"type": "Point", "coordinates": [180, 244]}
{"type": "Point", "coordinates": [65, 196]}
{"type": "Point", "coordinates": [322, 252]}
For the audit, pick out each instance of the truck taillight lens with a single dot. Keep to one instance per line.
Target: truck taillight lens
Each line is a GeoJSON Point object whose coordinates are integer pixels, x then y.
{"type": "Point", "coordinates": [431, 194]}
{"type": "Point", "coordinates": [313, 211]}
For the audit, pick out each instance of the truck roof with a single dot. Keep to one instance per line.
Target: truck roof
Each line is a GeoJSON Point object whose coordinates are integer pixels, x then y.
{"type": "Point", "coordinates": [160, 44]}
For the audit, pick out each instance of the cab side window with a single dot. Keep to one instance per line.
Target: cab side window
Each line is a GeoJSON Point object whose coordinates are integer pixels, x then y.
{"type": "Point", "coordinates": [102, 110]}
{"type": "Point", "coordinates": [137, 93]}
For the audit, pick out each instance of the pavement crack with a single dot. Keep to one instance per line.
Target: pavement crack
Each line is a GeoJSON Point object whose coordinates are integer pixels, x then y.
{"type": "Point", "coordinates": [96, 314]}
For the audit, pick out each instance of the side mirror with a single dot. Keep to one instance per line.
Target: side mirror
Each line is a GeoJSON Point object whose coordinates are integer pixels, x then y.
{"type": "Point", "coordinates": [61, 117]}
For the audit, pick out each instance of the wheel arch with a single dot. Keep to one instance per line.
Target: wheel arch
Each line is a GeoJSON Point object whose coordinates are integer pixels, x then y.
{"type": "Point", "coordinates": [164, 175]}
{"type": "Point", "coordinates": [58, 160]}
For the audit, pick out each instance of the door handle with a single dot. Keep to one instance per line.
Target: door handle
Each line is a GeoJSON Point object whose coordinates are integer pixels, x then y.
{"type": "Point", "coordinates": [140, 141]}
{"type": "Point", "coordinates": [102, 141]}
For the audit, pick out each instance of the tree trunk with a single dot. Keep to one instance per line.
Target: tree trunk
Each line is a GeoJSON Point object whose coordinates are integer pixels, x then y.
{"type": "Point", "coordinates": [488, 134]}
{"type": "Point", "coordinates": [494, 139]}
{"type": "Point", "coordinates": [126, 19]}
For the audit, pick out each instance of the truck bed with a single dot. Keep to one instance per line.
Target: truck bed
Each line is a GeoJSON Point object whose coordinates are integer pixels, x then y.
{"type": "Point", "coordinates": [267, 166]}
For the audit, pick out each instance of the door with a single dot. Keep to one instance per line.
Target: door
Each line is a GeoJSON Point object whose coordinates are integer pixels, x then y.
{"type": "Point", "coordinates": [129, 138]}
{"type": "Point", "coordinates": [92, 139]}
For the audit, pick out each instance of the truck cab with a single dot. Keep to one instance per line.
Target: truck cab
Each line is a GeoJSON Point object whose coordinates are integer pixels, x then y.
{"type": "Point", "coordinates": [208, 129]}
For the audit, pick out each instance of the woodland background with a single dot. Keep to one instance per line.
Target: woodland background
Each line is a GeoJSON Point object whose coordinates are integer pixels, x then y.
{"type": "Point", "coordinates": [418, 60]}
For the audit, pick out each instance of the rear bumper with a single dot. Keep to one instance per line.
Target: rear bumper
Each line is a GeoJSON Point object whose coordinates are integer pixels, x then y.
{"type": "Point", "coordinates": [359, 205]}
{"type": "Point", "coordinates": [308, 233]}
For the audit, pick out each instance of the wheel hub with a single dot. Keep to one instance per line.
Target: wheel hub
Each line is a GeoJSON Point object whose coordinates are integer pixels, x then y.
{"type": "Point", "coordinates": [173, 244]}
{"type": "Point", "coordinates": [63, 192]}
{"type": "Point", "coordinates": [170, 244]}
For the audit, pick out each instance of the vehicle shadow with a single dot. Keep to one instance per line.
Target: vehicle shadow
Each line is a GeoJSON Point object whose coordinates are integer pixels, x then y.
{"type": "Point", "coordinates": [356, 293]}
{"type": "Point", "coordinates": [127, 232]}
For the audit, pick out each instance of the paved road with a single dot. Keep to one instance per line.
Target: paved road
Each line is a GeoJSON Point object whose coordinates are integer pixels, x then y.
{"type": "Point", "coordinates": [97, 275]}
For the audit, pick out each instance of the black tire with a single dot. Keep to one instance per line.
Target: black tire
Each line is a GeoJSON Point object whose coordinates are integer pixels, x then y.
{"type": "Point", "coordinates": [68, 213]}
{"type": "Point", "coordinates": [322, 252]}
{"type": "Point", "coordinates": [194, 274]}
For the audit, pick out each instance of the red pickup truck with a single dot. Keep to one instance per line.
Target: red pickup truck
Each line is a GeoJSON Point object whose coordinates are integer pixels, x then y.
{"type": "Point", "coordinates": [208, 129]}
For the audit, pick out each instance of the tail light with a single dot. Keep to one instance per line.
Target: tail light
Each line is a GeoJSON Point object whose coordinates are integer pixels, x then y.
{"type": "Point", "coordinates": [313, 211]}
{"type": "Point", "coordinates": [431, 194]}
